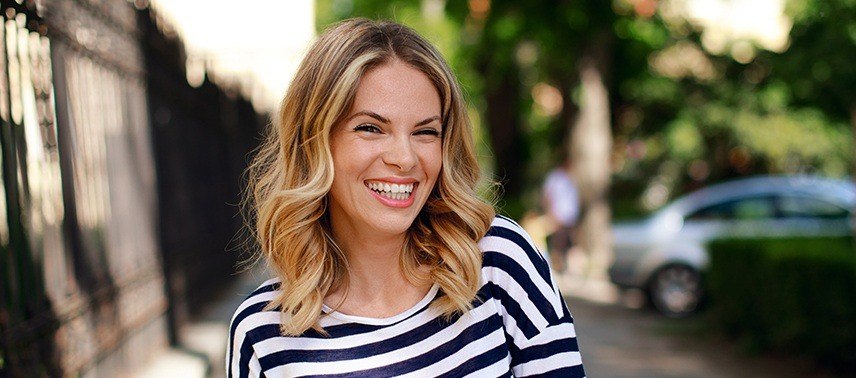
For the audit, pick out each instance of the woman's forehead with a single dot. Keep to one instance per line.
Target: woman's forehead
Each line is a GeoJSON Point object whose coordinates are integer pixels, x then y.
{"type": "Point", "coordinates": [394, 88]}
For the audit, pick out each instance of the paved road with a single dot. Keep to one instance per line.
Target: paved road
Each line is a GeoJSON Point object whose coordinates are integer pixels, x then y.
{"type": "Point", "coordinates": [617, 341]}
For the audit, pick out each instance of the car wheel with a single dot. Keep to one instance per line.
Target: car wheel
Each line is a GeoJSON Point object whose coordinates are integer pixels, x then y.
{"type": "Point", "coordinates": [675, 290]}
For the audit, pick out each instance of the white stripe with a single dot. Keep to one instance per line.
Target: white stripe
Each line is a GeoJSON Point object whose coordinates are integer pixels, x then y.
{"type": "Point", "coordinates": [510, 326]}
{"type": "Point", "coordinates": [544, 365]}
{"type": "Point", "coordinates": [328, 321]}
{"type": "Point", "coordinates": [335, 367]}
{"type": "Point", "coordinates": [240, 333]}
{"type": "Point", "coordinates": [519, 295]}
{"type": "Point", "coordinates": [518, 230]}
{"type": "Point", "coordinates": [261, 297]}
{"type": "Point", "coordinates": [249, 323]}
{"type": "Point", "coordinates": [499, 368]}
{"type": "Point", "coordinates": [255, 367]}
{"type": "Point", "coordinates": [512, 250]}
{"type": "Point", "coordinates": [553, 333]}
{"type": "Point", "coordinates": [473, 349]}
{"type": "Point", "coordinates": [274, 344]}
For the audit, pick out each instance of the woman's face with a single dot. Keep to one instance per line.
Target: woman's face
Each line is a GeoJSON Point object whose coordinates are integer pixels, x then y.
{"type": "Point", "coordinates": [387, 153]}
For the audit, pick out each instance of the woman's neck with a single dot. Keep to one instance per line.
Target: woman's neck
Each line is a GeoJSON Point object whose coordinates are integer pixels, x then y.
{"type": "Point", "coordinates": [377, 286]}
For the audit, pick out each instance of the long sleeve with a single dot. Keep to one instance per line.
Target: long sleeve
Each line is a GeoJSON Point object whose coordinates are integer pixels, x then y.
{"type": "Point", "coordinates": [538, 325]}
{"type": "Point", "coordinates": [249, 321]}
{"type": "Point", "coordinates": [240, 366]}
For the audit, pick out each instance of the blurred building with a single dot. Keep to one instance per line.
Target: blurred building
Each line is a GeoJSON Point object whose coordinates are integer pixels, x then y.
{"type": "Point", "coordinates": [117, 180]}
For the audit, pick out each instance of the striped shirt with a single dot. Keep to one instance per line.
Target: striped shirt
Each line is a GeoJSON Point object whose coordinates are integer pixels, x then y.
{"type": "Point", "coordinates": [519, 325]}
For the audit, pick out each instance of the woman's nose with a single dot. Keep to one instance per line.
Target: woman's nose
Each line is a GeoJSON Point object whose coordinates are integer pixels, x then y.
{"type": "Point", "coordinates": [400, 153]}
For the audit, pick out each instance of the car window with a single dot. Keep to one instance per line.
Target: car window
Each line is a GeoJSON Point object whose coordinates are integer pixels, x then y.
{"type": "Point", "coordinates": [805, 207]}
{"type": "Point", "coordinates": [742, 209]}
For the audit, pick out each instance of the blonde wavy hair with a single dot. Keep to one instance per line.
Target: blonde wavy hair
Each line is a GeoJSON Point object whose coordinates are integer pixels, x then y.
{"type": "Point", "coordinates": [292, 173]}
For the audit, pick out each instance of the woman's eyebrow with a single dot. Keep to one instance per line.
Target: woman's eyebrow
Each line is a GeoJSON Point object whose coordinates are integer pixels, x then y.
{"type": "Point", "coordinates": [369, 114]}
{"type": "Point", "coordinates": [428, 120]}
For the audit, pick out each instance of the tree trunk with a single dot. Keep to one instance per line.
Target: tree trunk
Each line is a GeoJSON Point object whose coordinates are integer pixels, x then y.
{"type": "Point", "coordinates": [506, 135]}
{"type": "Point", "coordinates": [590, 149]}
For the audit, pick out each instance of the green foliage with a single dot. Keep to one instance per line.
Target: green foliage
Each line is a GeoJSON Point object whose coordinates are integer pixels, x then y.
{"type": "Point", "coordinates": [684, 140]}
{"type": "Point", "coordinates": [819, 62]}
{"type": "Point", "coordinates": [805, 136]}
{"type": "Point", "coordinates": [705, 116]}
{"type": "Point", "coordinates": [793, 295]}
{"type": "Point", "coordinates": [784, 112]}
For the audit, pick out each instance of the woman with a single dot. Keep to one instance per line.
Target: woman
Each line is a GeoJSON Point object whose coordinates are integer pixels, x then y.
{"type": "Point", "coordinates": [386, 261]}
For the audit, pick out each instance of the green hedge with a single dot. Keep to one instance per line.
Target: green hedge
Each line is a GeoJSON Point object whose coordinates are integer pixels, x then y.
{"type": "Point", "coordinates": [794, 295]}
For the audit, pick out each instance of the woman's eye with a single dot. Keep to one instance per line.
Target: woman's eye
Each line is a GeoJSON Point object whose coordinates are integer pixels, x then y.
{"type": "Point", "coordinates": [431, 132]}
{"type": "Point", "coordinates": [367, 128]}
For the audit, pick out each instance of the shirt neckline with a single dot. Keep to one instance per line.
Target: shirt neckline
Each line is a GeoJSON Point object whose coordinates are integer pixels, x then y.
{"type": "Point", "coordinates": [384, 321]}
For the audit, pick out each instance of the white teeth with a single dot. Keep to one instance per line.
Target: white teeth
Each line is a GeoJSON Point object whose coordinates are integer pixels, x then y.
{"type": "Point", "coordinates": [397, 192]}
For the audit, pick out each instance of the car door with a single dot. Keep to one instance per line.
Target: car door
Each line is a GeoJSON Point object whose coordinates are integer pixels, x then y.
{"type": "Point", "coordinates": [747, 217]}
{"type": "Point", "coordinates": [812, 217]}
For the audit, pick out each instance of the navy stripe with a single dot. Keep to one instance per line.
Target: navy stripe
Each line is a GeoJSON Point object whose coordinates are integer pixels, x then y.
{"type": "Point", "coordinates": [566, 314]}
{"type": "Point", "coordinates": [473, 333]}
{"type": "Point", "coordinates": [575, 371]}
{"type": "Point", "coordinates": [508, 219]}
{"type": "Point", "coordinates": [267, 331]}
{"type": "Point", "coordinates": [507, 264]}
{"type": "Point", "coordinates": [534, 256]}
{"type": "Point", "coordinates": [250, 310]}
{"type": "Point", "coordinates": [247, 312]}
{"type": "Point", "coordinates": [361, 351]}
{"type": "Point", "coordinates": [494, 293]}
{"type": "Point", "coordinates": [483, 295]}
{"type": "Point", "coordinates": [334, 331]}
{"type": "Point", "coordinates": [266, 288]}
{"type": "Point", "coordinates": [243, 315]}
{"type": "Point", "coordinates": [481, 361]}
{"type": "Point", "coordinates": [350, 329]}
{"type": "Point", "coordinates": [537, 352]}
{"type": "Point", "coordinates": [246, 355]}
{"type": "Point", "coordinates": [513, 350]}
{"type": "Point", "coordinates": [513, 309]}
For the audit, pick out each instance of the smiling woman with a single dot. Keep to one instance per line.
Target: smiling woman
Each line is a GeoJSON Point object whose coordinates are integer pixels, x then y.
{"type": "Point", "coordinates": [392, 139]}
{"type": "Point", "coordinates": [386, 262]}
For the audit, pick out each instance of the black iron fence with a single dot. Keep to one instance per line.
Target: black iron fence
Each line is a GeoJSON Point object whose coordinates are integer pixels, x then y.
{"type": "Point", "coordinates": [117, 180]}
{"type": "Point", "coordinates": [30, 233]}
{"type": "Point", "coordinates": [203, 137]}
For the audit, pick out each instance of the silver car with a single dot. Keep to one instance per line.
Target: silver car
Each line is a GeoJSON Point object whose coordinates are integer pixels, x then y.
{"type": "Point", "coordinates": [665, 254]}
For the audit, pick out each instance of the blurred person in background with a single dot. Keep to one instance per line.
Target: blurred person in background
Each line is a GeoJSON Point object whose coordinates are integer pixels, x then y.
{"type": "Point", "coordinates": [363, 202]}
{"type": "Point", "coordinates": [561, 204]}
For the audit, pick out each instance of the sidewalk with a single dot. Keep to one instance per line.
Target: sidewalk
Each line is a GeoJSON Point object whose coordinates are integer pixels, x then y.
{"type": "Point", "coordinates": [620, 338]}
{"type": "Point", "coordinates": [204, 339]}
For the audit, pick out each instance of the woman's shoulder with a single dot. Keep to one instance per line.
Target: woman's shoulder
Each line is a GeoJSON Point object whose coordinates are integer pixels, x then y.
{"type": "Point", "coordinates": [507, 246]}
{"type": "Point", "coordinates": [247, 313]}
{"type": "Point", "coordinates": [507, 236]}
